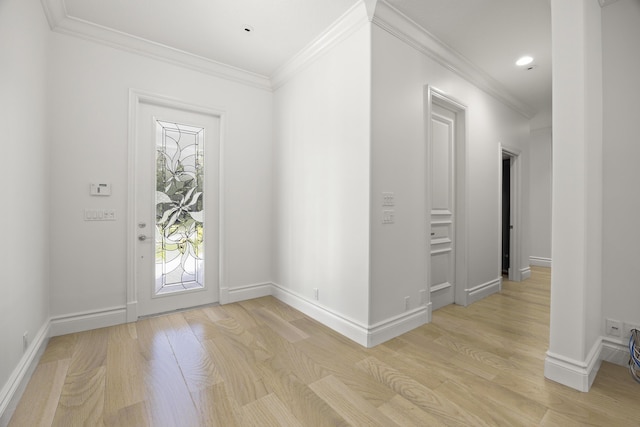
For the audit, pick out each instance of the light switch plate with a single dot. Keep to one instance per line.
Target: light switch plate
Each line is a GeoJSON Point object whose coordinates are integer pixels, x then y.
{"type": "Point", "coordinates": [388, 199]}
{"type": "Point", "coordinates": [388, 217]}
{"type": "Point", "coordinates": [99, 214]}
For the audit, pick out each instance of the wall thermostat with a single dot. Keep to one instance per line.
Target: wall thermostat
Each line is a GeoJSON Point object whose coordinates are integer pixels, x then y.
{"type": "Point", "coordinates": [100, 189]}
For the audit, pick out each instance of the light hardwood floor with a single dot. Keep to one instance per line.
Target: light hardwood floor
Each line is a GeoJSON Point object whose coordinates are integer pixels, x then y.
{"type": "Point", "coordinates": [262, 363]}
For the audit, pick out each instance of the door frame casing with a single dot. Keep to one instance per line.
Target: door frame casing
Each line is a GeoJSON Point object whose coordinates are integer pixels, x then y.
{"type": "Point", "coordinates": [433, 95]}
{"type": "Point", "coordinates": [137, 97]}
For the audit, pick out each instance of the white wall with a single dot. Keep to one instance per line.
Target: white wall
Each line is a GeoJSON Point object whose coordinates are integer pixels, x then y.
{"type": "Point", "coordinates": [24, 253]}
{"type": "Point", "coordinates": [89, 115]}
{"type": "Point", "coordinates": [621, 200]}
{"type": "Point", "coordinates": [321, 180]}
{"type": "Point", "coordinates": [399, 251]}
{"type": "Point", "coordinates": [542, 119]}
{"type": "Point", "coordinates": [540, 175]}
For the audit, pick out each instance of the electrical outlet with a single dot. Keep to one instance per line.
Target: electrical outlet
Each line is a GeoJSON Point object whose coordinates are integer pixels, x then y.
{"type": "Point", "coordinates": [406, 303]}
{"type": "Point", "coordinates": [613, 328]}
{"type": "Point", "coordinates": [25, 340]}
{"type": "Point", "coordinates": [315, 294]}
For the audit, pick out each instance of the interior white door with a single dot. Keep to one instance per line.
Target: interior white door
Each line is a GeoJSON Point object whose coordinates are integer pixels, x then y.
{"type": "Point", "coordinates": [442, 274]}
{"type": "Point", "coordinates": [176, 208]}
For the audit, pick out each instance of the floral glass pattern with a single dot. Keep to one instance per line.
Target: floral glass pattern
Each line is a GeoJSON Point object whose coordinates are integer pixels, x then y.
{"type": "Point", "coordinates": [179, 207]}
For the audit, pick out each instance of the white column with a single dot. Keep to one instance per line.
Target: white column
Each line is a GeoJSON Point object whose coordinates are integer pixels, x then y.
{"type": "Point", "coordinates": [576, 278]}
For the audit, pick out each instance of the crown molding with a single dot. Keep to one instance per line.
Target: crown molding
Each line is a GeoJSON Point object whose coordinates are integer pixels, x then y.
{"type": "Point", "coordinates": [55, 11]}
{"type": "Point", "coordinates": [379, 12]}
{"type": "Point", "coordinates": [343, 27]}
{"type": "Point", "coordinates": [401, 26]}
{"type": "Point", "coordinates": [61, 22]}
{"type": "Point", "coordinates": [604, 3]}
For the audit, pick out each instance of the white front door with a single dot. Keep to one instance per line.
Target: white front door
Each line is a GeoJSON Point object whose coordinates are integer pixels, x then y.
{"type": "Point", "coordinates": [176, 207]}
{"type": "Point", "coordinates": [443, 136]}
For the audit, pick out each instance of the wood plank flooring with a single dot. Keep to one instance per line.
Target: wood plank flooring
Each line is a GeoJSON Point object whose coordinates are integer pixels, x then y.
{"type": "Point", "coordinates": [262, 363]}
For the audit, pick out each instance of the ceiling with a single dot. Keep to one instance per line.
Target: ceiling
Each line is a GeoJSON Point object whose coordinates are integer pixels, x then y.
{"type": "Point", "coordinates": [215, 29]}
{"type": "Point", "coordinates": [491, 34]}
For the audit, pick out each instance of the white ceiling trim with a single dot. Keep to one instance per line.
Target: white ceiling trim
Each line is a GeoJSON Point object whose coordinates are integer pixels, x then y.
{"type": "Point", "coordinates": [342, 28]}
{"type": "Point", "coordinates": [401, 26]}
{"type": "Point", "coordinates": [55, 11]}
{"type": "Point", "coordinates": [61, 22]}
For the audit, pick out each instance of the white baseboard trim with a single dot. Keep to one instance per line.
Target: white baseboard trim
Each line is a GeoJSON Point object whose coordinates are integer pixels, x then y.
{"type": "Point", "coordinates": [350, 328]}
{"type": "Point", "coordinates": [87, 320]}
{"type": "Point", "coordinates": [540, 261]}
{"type": "Point", "coordinates": [366, 336]}
{"type": "Point", "coordinates": [242, 293]}
{"type": "Point", "coordinates": [573, 373]}
{"type": "Point", "coordinates": [14, 387]}
{"type": "Point", "coordinates": [525, 273]}
{"type": "Point", "coordinates": [484, 290]}
{"type": "Point", "coordinates": [398, 325]}
{"type": "Point", "coordinates": [614, 351]}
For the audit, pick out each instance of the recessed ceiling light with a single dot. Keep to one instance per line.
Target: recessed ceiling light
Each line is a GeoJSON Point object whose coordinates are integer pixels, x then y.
{"type": "Point", "coordinates": [525, 60]}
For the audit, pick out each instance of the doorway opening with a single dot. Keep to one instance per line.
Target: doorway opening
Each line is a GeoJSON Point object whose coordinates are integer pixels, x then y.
{"type": "Point", "coordinates": [509, 217]}
{"type": "Point", "coordinates": [507, 226]}
{"type": "Point", "coordinates": [173, 228]}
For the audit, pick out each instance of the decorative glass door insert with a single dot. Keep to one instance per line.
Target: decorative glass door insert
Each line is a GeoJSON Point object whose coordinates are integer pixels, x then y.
{"type": "Point", "coordinates": [179, 230]}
